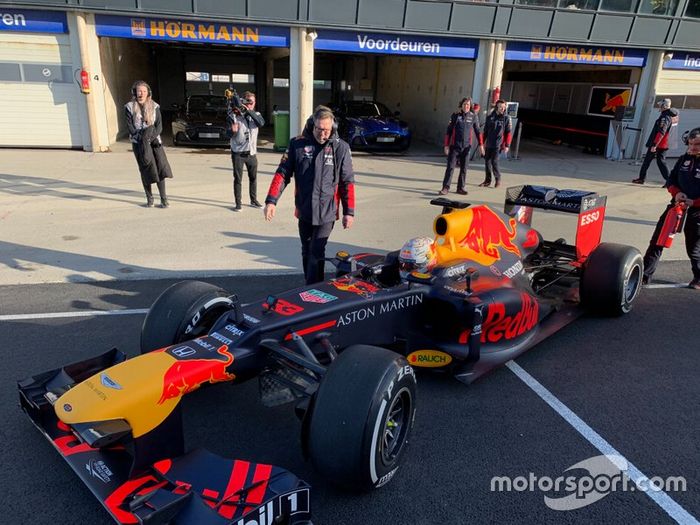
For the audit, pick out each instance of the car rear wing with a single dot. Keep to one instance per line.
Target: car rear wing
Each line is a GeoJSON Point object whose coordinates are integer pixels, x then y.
{"type": "Point", "coordinates": [588, 205]}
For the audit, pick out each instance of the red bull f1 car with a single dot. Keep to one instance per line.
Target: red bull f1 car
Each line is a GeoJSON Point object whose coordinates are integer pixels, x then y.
{"type": "Point", "coordinates": [343, 351]}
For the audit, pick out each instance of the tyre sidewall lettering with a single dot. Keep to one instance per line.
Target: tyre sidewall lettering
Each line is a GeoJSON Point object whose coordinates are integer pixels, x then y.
{"type": "Point", "coordinates": [201, 311]}
{"type": "Point", "coordinates": [403, 378]}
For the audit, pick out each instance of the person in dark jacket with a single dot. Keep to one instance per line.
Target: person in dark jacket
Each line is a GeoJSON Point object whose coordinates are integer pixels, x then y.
{"type": "Point", "coordinates": [145, 124]}
{"type": "Point", "coordinates": [244, 148]}
{"type": "Point", "coordinates": [684, 186]}
{"type": "Point", "coordinates": [458, 143]}
{"type": "Point", "coordinates": [321, 165]}
{"type": "Point", "coordinates": [496, 137]}
{"type": "Point", "coordinates": [657, 143]}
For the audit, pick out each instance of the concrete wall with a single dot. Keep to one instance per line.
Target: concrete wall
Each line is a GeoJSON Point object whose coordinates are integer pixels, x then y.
{"type": "Point", "coordinates": [502, 20]}
{"type": "Point", "coordinates": [683, 88]}
{"type": "Point", "coordinates": [426, 91]}
{"type": "Point", "coordinates": [678, 82]}
{"type": "Point", "coordinates": [123, 62]}
{"type": "Point", "coordinates": [359, 75]}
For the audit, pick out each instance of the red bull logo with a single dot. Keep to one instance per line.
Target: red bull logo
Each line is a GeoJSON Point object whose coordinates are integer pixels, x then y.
{"type": "Point", "coordinates": [352, 285]}
{"type": "Point", "coordinates": [499, 326]}
{"type": "Point", "coordinates": [487, 234]}
{"type": "Point", "coordinates": [187, 375]}
{"type": "Point", "coordinates": [621, 99]}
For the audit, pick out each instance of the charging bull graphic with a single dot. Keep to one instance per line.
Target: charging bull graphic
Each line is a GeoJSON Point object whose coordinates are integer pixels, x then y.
{"type": "Point", "coordinates": [621, 99]}
{"type": "Point", "coordinates": [352, 285]}
{"type": "Point", "coordinates": [487, 234]}
{"type": "Point", "coordinates": [188, 375]}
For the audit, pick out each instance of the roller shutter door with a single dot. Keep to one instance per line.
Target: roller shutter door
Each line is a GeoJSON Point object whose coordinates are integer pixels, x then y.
{"type": "Point", "coordinates": [40, 102]}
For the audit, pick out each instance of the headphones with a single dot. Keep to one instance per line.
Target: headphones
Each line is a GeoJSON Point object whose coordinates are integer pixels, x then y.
{"type": "Point", "coordinates": [137, 84]}
{"type": "Point", "coordinates": [324, 111]}
{"type": "Point", "coordinates": [690, 134]}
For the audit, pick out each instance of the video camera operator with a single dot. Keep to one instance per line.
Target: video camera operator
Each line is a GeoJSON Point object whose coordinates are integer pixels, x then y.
{"type": "Point", "coordinates": [244, 122]}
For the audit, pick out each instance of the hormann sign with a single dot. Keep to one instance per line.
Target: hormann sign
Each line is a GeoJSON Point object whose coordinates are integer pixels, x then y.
{"type": "Point", "coordinates": [33, 21]}
{"type": "Point", "coordinates": [178, 30]}
{"type": "Point", "coordinates": [391, 44]}
{"type": "Point", "coordinates": [571, 54]}
{"type": "Point", "coordinates": [682, 60]}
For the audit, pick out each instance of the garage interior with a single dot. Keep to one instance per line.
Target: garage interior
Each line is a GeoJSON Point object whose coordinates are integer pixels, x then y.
{"type": "Point", "coordinates": [424, 90]}
{"type": "Point", "coordinates": [566, 103]}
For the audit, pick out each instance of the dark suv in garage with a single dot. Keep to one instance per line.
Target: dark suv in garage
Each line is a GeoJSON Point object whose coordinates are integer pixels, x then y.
{"type": "Point", "coordinates": [201, 122]}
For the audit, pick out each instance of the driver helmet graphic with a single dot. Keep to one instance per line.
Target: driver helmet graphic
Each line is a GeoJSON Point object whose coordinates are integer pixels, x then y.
{"type": "Point", "coordinates": [417, 255]}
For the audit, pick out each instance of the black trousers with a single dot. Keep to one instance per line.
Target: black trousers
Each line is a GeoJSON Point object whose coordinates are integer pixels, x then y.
{"type": "Point", "coordinates": [251, 163]}
{"type": "Point", "coordinates": [691, 231]}
{"type": "Point", "coordinates": [660, 156]}
{"type": "Point", "coordinates": [161, 189]}
{"type": "Point", "coordinates": [313, 249]}
{"type": "Point", "coordinates": [454, 157]}
{"type": "Point", "coordinates": [491, 163]}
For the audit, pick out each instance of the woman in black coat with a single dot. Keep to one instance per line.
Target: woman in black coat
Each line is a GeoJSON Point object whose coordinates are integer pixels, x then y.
{"type": "Point", "coordinates": [145, 125]}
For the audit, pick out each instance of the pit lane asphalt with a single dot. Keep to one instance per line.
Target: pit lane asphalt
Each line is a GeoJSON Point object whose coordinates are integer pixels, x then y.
{"type": "Point", "coordinates": [634, 380]}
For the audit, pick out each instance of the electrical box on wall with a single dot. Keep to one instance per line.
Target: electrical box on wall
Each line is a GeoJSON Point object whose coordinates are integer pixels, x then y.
{"type": "Point", "coordinates": [624, 113]}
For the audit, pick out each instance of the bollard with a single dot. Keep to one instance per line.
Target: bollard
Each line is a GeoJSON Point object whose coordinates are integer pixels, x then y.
{"type": "Point", "coordinates": [515, 156]}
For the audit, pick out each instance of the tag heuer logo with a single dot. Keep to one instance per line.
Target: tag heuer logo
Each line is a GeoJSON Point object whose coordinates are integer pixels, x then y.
{"type": "Point", "coordinates": [316, 296]}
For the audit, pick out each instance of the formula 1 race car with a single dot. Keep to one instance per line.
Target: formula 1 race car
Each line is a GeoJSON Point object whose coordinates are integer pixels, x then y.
{"type": "Point", "coordinates": [342, 350]}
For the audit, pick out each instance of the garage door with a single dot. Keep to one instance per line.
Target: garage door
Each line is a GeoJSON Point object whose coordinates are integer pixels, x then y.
{"type": "Point", "coordinates": [40, 99]}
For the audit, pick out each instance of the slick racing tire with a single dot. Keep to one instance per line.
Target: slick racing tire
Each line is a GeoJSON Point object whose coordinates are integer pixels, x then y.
{"type": "Point", "coordinates": [362, 417]}
{"type": "Point", "coordinates": [611, 280]}
{"type": "Point", "coordinates": [184, 311]}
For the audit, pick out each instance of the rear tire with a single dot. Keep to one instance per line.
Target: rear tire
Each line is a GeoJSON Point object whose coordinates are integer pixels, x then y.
{"type": "Point", "coordinates": [362, 417]}
{"type": "Point", "coordinates": [611, 280]}
{"type": "Point", "coordinates": [184, 311]}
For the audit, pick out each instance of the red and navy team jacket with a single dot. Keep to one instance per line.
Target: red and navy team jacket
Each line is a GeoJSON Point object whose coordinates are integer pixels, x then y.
{"type": "Point", "coordinates": [323, 178]}
{"type": "Point", "coordinates": [662, 128]}
{"type": "Point", "coordinates": [685, 177]}
{"type": "Point", "coordinates": [459, 129]}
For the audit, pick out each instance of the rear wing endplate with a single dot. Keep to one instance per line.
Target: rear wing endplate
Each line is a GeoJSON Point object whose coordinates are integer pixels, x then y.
{"type": "Point", "coordinates": [590, 207]}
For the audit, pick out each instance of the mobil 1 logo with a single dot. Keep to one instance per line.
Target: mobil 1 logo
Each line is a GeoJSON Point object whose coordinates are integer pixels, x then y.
{"type": "Point", "coordinates": [282, 506]}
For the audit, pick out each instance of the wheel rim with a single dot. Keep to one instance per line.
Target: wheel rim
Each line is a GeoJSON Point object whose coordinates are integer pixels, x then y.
{"type": "Point", "coordinates": [396, 427]}
{"type": "Point", "coordinates": [632, 284]}
{"type": "Point", "coordinates": [205, 323]}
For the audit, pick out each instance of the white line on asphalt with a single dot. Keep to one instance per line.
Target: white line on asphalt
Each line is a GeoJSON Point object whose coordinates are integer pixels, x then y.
{"type": "Point", "coordinates": [663, 500]}
{"type": "Point", "coordinates": [60, 315]}
{"type": "Point", "coordinates": [670, 285]}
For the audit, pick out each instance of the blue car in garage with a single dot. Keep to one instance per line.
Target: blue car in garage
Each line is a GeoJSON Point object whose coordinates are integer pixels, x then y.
{"type": "Point", "coordinates": [371, 126]}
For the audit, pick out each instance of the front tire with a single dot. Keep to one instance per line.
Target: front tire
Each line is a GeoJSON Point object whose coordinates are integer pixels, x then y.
{"type": "Point", "coordinates": [362, 417]}
{"type": "Point", "coordinates": [611, 280]}
{"type": "Point", "coordinates": [184, 311]}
